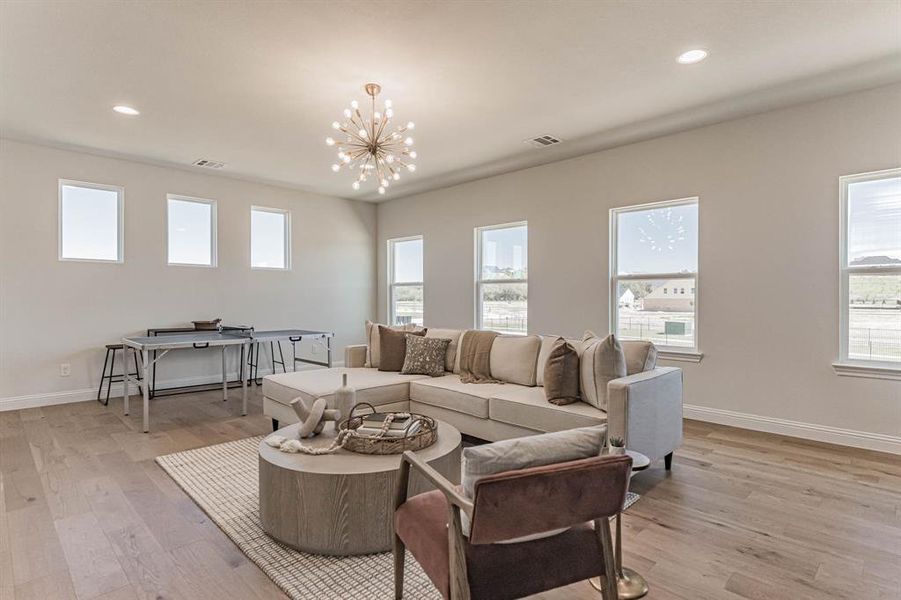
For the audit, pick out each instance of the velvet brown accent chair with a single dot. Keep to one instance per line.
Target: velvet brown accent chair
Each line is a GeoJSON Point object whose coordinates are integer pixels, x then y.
{"type": "Point", "coordinates": [580, 495]}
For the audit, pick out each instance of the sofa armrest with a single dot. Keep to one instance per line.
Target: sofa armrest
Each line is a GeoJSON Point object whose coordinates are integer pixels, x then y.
{"type": "Point", "coordinates": [645, 410]}
{"type": "Point", "coordinates": [355, 356]}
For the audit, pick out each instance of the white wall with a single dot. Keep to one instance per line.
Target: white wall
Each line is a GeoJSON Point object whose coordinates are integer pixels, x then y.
{"type": "Point", "coordinates": [53, 312]}
{"type": "Point", "coordinates": [768, 188]}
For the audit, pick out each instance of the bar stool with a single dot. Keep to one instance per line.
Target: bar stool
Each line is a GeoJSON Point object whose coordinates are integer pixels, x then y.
{"type": "Point", "coordinates": [110, 379]}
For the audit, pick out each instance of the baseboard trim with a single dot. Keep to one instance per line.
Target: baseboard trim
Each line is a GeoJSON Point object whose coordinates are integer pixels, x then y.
{"type": "Point", "coordinates": [808, 431]}
{"type": "Point", "coordinates": [81, 395]}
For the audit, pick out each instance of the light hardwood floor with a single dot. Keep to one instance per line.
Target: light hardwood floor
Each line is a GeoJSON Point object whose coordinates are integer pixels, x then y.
{"type": "Point", "coordinates": [86, 513]}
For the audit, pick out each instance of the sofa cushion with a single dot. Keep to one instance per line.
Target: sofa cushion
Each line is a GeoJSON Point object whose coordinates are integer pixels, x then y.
{"type": "Point", "coordinates": [514, 358]}
{"type": "Point", "coordinates": [601, 361]}
{"type": "Point", "coordinates": [393, 348]}
{"type": "Point", "coordinates": [640, 356]}
{"type": "Point", "coordinates": [561, 374]}
{"type": "Point", "coordinates": [372, 386]}
{"type": "Point", "coordinates": [528, 407]}
{"type": "Point", "coordinates": [454, 336]}
{"type": "Point", "coordinates": [450, 393]}
{"type": "Point", "coordinates": [425, 356]}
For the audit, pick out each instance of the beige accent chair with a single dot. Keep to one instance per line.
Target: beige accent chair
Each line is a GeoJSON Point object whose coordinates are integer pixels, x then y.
{"type": "Point", "coordinates": [644, 408]}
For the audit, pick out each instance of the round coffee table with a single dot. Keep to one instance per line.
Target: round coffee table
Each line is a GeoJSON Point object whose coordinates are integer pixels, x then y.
{"type": "Point", "coordinates": [341, 503]}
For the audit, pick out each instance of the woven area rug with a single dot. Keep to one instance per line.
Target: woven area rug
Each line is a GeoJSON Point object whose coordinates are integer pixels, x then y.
{"type": "Point", "coordinates": [223, 480]}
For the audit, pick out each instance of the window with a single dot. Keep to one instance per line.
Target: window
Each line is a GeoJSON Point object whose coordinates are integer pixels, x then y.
{"type": "Point", "coordinates": [405, 301]}
{"type": "Point", "coordinates": [870, 320]}
{"type": "Point", "coordinates": [191, 231]}
{"type": "Point", "coordinates": [502, 278]}
{"type": "Point", "coordinates": [653, 261]}
{"type": "Point", "coordinates": [90, 221]}
{"type": "Point", "coordinates": [270, 238]}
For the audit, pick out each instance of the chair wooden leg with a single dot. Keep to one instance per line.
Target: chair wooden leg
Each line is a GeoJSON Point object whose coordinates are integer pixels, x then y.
{"type": "Point", "coordinates": [400, 552]}
{"type": "Point", "coordinates": [605, 541]}
{"type": "Point", "coordinates": [668, 461]}
{"type": "Point", "coordinates": [459, 579]}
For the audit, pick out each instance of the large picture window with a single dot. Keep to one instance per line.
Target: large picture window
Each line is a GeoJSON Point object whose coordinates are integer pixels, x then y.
{"type": "Point", "coordinates": [871, 269]}
{"type": "Point", "coordinates": [90, 221]}
{"type": "Point", "coordinates": [654, 274]}
{"type": "Point", "coordinates": [502, 278]}
{"type": "Point", "coordinates": [191, 231]}
{"type": "Point", "coordinates": [405, 302]}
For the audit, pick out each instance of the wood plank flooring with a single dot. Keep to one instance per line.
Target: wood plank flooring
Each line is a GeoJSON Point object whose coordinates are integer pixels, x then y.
{"type": "Point", "coordinates": [85, 512]}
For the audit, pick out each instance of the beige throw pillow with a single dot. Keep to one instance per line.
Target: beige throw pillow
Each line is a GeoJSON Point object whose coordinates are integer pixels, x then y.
{"type": "Point", "coordinates": [561, 374]}
{"type": "Point", "coordinates": [514, 357]}
{"type": "Point", "coordinates": [601, 361]}
{"type": "Point", "coordinates": [640, 356]}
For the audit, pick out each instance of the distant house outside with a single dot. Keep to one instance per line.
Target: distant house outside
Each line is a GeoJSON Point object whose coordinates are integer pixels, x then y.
{"type": "Point", "coordinates": [671, 295]}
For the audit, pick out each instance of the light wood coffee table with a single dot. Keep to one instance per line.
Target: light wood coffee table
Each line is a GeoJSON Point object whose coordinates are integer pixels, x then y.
{"type": "Point", "coordinates": [342, 503]}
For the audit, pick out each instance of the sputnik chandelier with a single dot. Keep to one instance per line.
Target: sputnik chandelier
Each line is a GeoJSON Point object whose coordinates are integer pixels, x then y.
{"type": "Point", "coordinates": [369, 147]}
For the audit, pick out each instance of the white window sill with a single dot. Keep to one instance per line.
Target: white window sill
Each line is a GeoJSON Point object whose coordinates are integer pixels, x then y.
{"type": "Point", "coordinates": [680, 355]}
{"type": "Point", "coordinates": [870, 370]}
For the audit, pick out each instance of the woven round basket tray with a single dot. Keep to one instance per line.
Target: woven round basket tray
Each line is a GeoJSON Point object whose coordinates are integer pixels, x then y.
{"type": "Point", "coordinates": [425, 436]}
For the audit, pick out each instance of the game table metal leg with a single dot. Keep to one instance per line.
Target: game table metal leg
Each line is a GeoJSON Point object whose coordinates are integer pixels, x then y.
{"type": "Point", "coordinates": [243, 385]}
{"type": "Point", "coordinates": [145, 364]}
{"type": "Point", "coordinates": [224, 377]}
{"type": "Point", "coordinates": [125, 349]}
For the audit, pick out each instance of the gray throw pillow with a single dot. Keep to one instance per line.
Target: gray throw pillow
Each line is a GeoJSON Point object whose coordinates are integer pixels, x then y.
{"type": "Point", "coordinates": [561, 374]}
{"type": "Point", "coordinates": [425, 356]}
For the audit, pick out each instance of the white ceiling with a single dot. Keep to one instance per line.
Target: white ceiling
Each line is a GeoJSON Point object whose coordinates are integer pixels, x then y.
{"type": "Point", "coordinates": [257, 84]}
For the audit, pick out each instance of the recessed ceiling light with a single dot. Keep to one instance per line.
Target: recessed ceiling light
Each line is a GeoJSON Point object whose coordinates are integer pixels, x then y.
{"type": "Point", "coordinates": [692, 56]}
{"type": "Point", "coordinates": [126, 110]}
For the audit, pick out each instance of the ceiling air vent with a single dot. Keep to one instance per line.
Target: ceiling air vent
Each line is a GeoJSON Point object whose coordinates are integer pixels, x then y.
{"type": "Point", "coordinates": [543, 141]}
{"type": "Point", "coordinates": [208, 164]}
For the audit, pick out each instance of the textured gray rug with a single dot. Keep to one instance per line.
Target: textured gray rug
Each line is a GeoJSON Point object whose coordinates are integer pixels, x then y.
{"type": "Point", "coordinates": [223, 480]}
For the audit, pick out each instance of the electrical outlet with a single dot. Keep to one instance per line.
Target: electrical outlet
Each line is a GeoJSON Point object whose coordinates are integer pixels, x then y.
{"type": "Point", "coordinates": [65, 369]}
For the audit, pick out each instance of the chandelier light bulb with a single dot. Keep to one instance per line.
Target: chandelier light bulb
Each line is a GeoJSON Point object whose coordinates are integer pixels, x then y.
{"type": "Point", "coordinates": [378, 116]}
{"type": "Point", "coordinates": [388, 104]}
{"type": "Point", "coordinates": [336, 125]}
{"type": "Point", "coordinates": [411, 168]}
{"type": "Point", "coordinates": [330, 141]}
{"type": "Point", "coordinates": [336, 168]}
{"type": "Point", "coordinates": [411, 125]}
{"type": "Point", "coordinates": [354, 104]}
{"type": "Point", "coordinates": [362, 133]}
{"type": "Point", "coordinates": [396, 176]}
{"type": "Point", "coordinates": [384, 182]}
{"type": "Point", "coordinates": [389, 112]}
{"type": "Point", "coordinates": [408, 141]}
{"type": "Point", "coordinates": [345, 158]}
{"type": "Point", "coordinates": [355, 185]}
{"type": "Point", "coordinates": [381, 190]}
{"type": "Point", "coordinates": [347, 113]}
{"type": "Point", "coordinates": [389, 159]}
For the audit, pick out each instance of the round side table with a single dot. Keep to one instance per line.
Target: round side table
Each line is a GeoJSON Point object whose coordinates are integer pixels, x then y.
{"type": "Point", "coordinates": [629, 584]}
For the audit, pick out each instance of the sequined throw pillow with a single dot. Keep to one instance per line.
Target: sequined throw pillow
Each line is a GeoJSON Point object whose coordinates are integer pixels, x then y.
{"type": "Point", "coordinates": [425, 356]}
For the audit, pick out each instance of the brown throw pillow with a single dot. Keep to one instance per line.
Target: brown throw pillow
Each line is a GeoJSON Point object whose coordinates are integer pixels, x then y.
{"type": "Point", "coordinates": [561, 374]}
{"type": "Point", "coordinates": [425, 355]}
{"type": "Point", "coordinates": [393, 348]}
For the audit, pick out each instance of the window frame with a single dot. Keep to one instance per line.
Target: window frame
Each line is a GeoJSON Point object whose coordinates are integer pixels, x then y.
{"type": "Point", "coordinates": [286, 233]}
{"type": "Point", "coordinates": [392, 284]}
{"type": "Point", "coordinates": [694, 353]}
{"type": "Point", "coordinates": [857, 367]}
{"type": "Point", "coordinates": [479, 281]}
{"type": "Point", "coordinates": [214, 220]}
{"type": "Point", "coordinates": [120, 209]}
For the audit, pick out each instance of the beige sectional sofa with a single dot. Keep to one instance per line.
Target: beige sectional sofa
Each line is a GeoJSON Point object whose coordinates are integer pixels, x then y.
{"type": "Point", "coordinates": [644, 407]}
